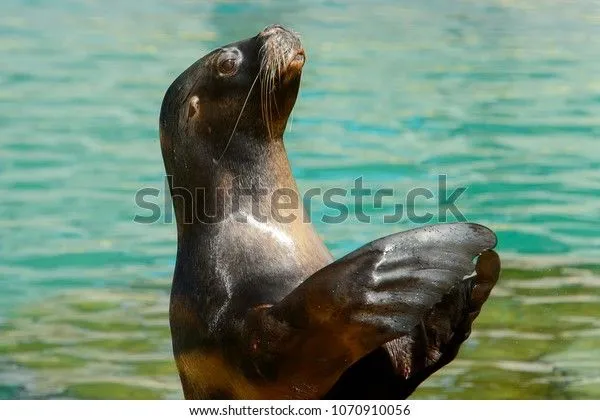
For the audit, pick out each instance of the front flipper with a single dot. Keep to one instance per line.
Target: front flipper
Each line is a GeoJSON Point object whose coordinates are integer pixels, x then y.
{"type": "Point", "coordinates": [396, 369]}
{"type": "Point", "coordinates": [436, 341]}
{"type": "Point", "coordinates": [396, 287]}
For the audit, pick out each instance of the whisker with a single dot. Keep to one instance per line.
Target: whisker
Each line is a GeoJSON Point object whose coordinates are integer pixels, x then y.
{"type": "Point", "coordinates": [267, 107]}
{"type": "Point", "coordinates": [238, 119]}
{"type": "Point", "coordinates": [263, 99]}
{"type": "Point", "coordinates": [280, 63]}
{"type": "Point", "coordinates": [265, 93]}
{"type": "Point", "coordinates": [272, 97]}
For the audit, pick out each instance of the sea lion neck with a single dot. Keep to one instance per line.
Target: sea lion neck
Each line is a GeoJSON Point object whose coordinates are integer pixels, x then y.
{"type": "Point", "coordinates": [243, 182]}
{"type": "Point", "coordinates": [262, 160]}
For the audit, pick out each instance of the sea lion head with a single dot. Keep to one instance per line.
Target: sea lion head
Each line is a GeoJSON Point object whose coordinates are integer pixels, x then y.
{"type": "Point", "coordinates": [232, 100]}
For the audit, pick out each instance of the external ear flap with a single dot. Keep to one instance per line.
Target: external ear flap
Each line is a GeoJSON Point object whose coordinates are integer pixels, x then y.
{"type": "Point", "coordinates": [193, 106]}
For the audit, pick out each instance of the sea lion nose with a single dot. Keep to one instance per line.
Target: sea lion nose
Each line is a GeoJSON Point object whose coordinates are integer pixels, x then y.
{"type": "Point", "coordinates": [272, 29]}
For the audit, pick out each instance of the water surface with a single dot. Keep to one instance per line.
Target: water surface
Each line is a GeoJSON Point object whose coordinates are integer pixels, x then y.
{"type": "Point", "coordinates": [502, 96]}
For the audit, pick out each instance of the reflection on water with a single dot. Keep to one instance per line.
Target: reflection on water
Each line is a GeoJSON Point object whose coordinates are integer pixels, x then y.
{"type": "Point", "coordinates": [502, 96]}
{"type": "Point", "coordinates": [112, 344]}
{"type": "Point", "coordinates": [539, 337]}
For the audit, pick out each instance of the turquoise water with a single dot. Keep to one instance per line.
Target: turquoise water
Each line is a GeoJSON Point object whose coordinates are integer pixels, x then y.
{"type": "Point", "coordinates": [502, 96]}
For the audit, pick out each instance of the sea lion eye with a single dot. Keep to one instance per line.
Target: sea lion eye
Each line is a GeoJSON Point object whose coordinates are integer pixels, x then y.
{"type": "Point", "coordinates": [227, 66]}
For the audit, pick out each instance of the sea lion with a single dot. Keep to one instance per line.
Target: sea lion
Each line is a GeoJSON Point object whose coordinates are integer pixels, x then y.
{"type": "Point", "coordinates": [259, 308]}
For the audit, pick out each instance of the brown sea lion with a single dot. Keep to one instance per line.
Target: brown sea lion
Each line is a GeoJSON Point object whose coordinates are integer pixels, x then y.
{"type": "Point", "coordinates": [259, 308]}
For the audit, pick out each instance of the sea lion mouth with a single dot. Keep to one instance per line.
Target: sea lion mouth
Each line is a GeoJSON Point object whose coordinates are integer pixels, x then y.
{"type": "Point", "coordinates": [297, 61]}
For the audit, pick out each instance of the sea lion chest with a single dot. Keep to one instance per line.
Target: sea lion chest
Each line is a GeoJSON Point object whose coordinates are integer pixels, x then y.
{"type": "Point", "coordinates": [263, 260]}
